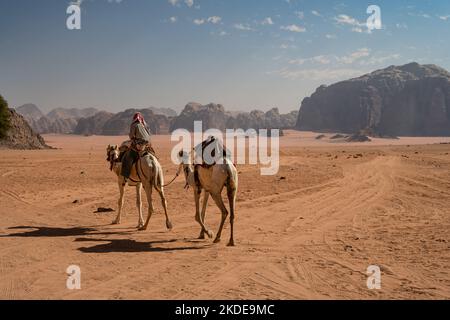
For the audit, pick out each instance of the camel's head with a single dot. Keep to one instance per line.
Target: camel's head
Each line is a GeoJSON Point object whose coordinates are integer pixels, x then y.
{"type": "Point", "coordinates": [112, 154]}
{"type": "Point", "coordinates": [185, 162]}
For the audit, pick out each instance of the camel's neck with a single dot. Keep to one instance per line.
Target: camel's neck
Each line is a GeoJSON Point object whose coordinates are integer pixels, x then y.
{"type": "Point", "coordinates": [189, 172]}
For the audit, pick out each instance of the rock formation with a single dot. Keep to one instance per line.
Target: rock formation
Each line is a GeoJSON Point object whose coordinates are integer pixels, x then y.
{"type": "Point", "coordinates": [20, 135]}
{"type": "Point", "coordinates": [93, 125]}
{"type": "Point", "coordinates": [408, 100]}
{"type": "Point", "coordinates": [214, 116]}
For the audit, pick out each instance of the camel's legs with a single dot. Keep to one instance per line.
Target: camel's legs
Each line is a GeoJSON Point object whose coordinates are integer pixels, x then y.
{"type": "Point", "coordinates": [139, 204]}
{"type": "Point", "coordinates": [231, 192]}
{"type": "Point", "coordinates": [164, 204]}
{"type": "Point", "coordinates": [218, 200]}
{"type": "Point", "coordinates": [148, 190]}
{"type": "Point", "coordinates": [202, 216]}
{"type": "Point", "coordinates": [120, 203]}
{"type": "Point", "coordinates": [197, 194]}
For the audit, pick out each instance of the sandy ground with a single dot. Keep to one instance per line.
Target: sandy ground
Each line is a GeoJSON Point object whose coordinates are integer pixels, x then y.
{"type": "Point", "coordinates": [309, 232]}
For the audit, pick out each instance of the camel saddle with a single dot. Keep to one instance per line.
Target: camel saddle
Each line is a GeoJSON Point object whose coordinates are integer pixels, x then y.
{"type": "Point", "coordinates": [142, 147]}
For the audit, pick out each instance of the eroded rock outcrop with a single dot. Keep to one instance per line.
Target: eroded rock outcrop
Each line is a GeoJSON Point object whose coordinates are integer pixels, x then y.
{"type": "Point", "coordinates": [20, 134]}
{"type": "Point", "coordinates": [214, 116]}
{"type": "Point", "coordinates": [408, 100]}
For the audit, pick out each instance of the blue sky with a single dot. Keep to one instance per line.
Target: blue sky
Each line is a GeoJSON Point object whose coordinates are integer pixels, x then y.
{"type": "Point", "coordinates": [245, 54]}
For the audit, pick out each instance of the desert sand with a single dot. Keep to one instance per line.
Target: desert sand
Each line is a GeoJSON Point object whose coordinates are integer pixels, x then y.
{"type": "Point", "coordinates": [309, 232]}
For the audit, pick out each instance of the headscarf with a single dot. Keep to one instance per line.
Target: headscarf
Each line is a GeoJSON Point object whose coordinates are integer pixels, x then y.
{"type": "Point", "coordinates": [138, 117]}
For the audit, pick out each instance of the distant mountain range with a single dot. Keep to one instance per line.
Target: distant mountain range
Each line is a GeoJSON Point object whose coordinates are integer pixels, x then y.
{"type": "Point", "coordinates": [408, 100]}
{"type": "Point", "coordinates": [214, 116]}
{"type": "Point", "coordinates": [87, 121]}
{"type": "Point", "coordinates": [160, 120]}
{"type": "Point", "coordinates": [56, 121]}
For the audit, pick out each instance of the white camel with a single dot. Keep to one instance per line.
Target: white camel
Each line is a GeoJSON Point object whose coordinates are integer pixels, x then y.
{"type": "Point", "coordinates": [147, 172]}
{"type": "Point", "coordinates": [212, 180]}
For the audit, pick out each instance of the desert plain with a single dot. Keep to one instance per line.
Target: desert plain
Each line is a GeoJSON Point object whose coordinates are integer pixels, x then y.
{"type": "Point", "coordinates": [309, 232]}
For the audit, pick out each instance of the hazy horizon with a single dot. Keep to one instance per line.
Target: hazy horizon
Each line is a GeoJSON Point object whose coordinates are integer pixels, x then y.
{"type": "Point", "coordinates": [166, 53]}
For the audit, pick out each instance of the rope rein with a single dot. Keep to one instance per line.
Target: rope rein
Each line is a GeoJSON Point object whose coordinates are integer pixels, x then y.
{"type": "Point", "coordinates": [176, 176]}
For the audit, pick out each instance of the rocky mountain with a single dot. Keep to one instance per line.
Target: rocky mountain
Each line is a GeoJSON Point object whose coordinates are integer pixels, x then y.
{"type": "Point", "coordinates": [68, 121]}
{"type": "Point", "coordinates": [30, 112]}
{"type": "Point", "coordinates": [20, 135]}
{"type": "Point", "coordinates": [105, 123]}
{"type": "Point", "coordinates": [212, 115]}
{"type": "Point", "coordinates": [60, 120]}
{"type": "Point", "coordinates": [93, 125]}
{"type": "Point", "coordinates": [58, 125]}
{"type": "Point", "coordinates": [73, 113]}
{"type": "Point", "coordinates": [408, 100]}
{"type": "Point", "coordinates": [119, 124]}
{"type": "Point", "coordinates": [257, 119]}
{"type": "Point", "coordinates": [168, 112]}
{"type": "Point", "coordinates": [215, 116]}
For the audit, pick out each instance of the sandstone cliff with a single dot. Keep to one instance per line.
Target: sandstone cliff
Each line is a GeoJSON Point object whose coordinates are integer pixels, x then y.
{"type": "Point", "coordinates": [20, 135]}
{"type": "Point", "coordinates": [408, 100]}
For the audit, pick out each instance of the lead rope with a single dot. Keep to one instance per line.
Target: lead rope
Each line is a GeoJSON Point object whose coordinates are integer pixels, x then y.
{"type": "Point", "coordinates": [176, 176]}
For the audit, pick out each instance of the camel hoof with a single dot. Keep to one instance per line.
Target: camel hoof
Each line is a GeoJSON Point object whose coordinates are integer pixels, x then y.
{"type": "Point", "coordinates": [115, 222]}
{"type": "Point", "coordinates": [140, 226]}
{"type": "Point", "coordinates": [217, 240]}
{"type": "Point", "coordinates": [230, 244]}
{"type": "Point", "coordinates": [169, 225]}
{"type": "Point", "coordinates": [201, 236]}
{"type": "Point", "coordinates": [144, 228]}
{"type": "Point", "coordinates": [211, 235]}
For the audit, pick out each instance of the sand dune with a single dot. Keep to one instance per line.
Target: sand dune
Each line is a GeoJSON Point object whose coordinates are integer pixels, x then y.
{"type": "Point", "coordinates": [340, 208]}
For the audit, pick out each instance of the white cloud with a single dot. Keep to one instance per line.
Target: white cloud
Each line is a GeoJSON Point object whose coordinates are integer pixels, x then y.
{"type": "Point", "coordinates": [316, 13]}
{"type": "Point", "coordinates": [401, 26]}
{"type": "Point", "coordinates": [243, 27]}
{"type": "Point", "coordinates": [357, 29]}
{"type": "Point", "coordinates": [199, 21]}
{"type": "Point", "coordinates": [293, 28]}
{"type": "Point", "coordinates": [326, 74]}
{"type": "Point", "coordinates": [380, 59]}
{"type": "Point", "coordinates": [420, 15]}
{"type": "Point", "coordinates": [347, 20]}
{"type": "Point", "coordinates": [189, 3]}
{"type": "Point", "coordinates": [287, 46]}
{"type": "Point", "coordinates": [332, 67]}
{"type": "Point", "coordinates": [173, 19]}
{"type": "Point", "coordinates": [267, 21]}
{"type": "Point", "coordinates": [321, 59]}
{"type": "Point", "coordinates": [357, 26]}
{"type": "Point", "coordinates": [214, 19]}
{"type": "Point", "coordinates": [444, 18]}
{"type": "Point", "coordinates": [354, 56]}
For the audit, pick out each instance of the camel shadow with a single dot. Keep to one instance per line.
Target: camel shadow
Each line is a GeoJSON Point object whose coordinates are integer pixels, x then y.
{"type": "Point", "coordinates": [130, 246]}
{"type": "Point", "coordinates": [55, 232]}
